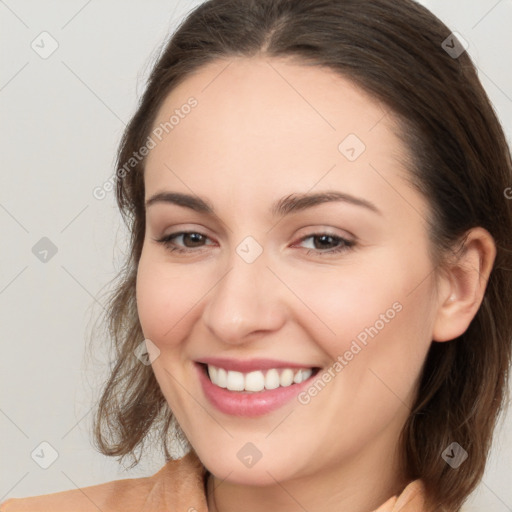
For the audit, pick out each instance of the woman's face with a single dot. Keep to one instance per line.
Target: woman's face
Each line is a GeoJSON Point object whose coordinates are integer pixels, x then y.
{"type": "Point", "coordinates": [344, 285]}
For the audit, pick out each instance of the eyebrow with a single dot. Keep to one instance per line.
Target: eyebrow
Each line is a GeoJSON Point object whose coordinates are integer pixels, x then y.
{"type": "Point", "coordinates": [284, 206]}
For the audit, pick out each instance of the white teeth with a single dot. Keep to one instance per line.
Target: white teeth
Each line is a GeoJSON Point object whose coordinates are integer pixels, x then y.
{"type": "Point", "coordinates": [286, 377]}
{"type": "Point", "coordinates": [272, 379]}
{"type": "Point", "coordinates": [222, 378]}
{"type": "Point", "coordinates": [257, 380]}
{"type": "Point", "coordinates": [254, 381]}
{"type": "Point", "coordinates": [235, 381]}
{"type": "Point", "coordinates": [212, 372]}
{"type": "Point", "coordinates": [306, 374]}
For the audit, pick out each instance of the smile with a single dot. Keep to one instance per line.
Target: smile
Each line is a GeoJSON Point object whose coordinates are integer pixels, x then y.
{"type": "Point", "coordinates": [257, 380]}
{"type": "Point", "coordinates": [252, 393]}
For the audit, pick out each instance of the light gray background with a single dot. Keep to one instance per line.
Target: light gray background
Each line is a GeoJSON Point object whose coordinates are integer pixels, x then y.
{"type": "Point", "coordinates": [62, 118]}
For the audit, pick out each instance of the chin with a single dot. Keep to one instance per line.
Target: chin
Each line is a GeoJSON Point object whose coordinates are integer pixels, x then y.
{"type": "Point", "coordinates": [227, 467]}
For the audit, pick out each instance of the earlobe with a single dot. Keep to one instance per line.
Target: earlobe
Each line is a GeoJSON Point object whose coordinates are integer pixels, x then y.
{"type": "Point", "coordinates": [463, 285]}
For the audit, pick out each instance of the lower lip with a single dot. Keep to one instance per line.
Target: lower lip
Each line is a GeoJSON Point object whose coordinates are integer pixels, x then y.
{"type": "Point", "coordinates": [239, 403]}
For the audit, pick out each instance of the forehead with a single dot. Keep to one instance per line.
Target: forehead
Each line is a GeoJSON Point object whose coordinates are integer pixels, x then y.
{"type": "Point", "coordinates": [276, 95]}
{"type": "Point", "coordinates": [270, 125]}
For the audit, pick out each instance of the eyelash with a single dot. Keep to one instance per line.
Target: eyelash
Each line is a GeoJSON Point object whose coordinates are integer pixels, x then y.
{"type": "Point", "coordinates": [345, 246]}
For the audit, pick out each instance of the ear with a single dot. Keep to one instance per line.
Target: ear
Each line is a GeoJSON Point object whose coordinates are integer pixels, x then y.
{"type": "Point", "coordinates": [462, 285]}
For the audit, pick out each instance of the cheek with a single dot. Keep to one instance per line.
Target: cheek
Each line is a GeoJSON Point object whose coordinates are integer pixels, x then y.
{"type": "Point", "coordinates": [345, 303]}
{"type": "Point", "coordinates": [380, 343]}
{"type": "Point", "coordinates": [164, 301]}
{"type": "Point", "coordinates": [375, 313]}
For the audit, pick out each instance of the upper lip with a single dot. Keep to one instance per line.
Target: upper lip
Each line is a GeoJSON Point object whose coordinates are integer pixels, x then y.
{"type": "Point", "coordinates": [249, 365]}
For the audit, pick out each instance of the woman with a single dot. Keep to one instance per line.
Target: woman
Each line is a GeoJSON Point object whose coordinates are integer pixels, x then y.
{"type": "Point", "coordinates": [319, 267]}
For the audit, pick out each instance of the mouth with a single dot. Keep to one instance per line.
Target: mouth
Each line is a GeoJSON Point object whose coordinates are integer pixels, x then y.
{"type": "Point", "coordinates": [256, 381]}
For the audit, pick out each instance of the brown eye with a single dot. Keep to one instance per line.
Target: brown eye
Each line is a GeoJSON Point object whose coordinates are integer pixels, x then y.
{"type": "Point", "coordinates": [195, 239]}
{"type": "Point", "coordinates": [189, 241]}
{"type": "Point", "coordinates": [325, 243]}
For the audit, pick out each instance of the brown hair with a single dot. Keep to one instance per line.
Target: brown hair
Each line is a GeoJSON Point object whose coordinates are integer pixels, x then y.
{"type": "Point", "coordinates": [460, 162]}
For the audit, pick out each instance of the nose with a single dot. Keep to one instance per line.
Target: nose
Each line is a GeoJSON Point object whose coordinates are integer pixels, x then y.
{"type": "Point", "coordinates": [248, 300]}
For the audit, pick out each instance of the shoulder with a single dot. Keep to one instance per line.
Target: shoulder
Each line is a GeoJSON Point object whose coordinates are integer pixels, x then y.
{"type": "Point", "coordinates": [97, 497]}
{"type": "Point", "coordinates": [178, 480]}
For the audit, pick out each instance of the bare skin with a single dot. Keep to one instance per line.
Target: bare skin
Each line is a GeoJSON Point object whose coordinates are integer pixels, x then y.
{"type": "Point", "coordinates": [264, 129]}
